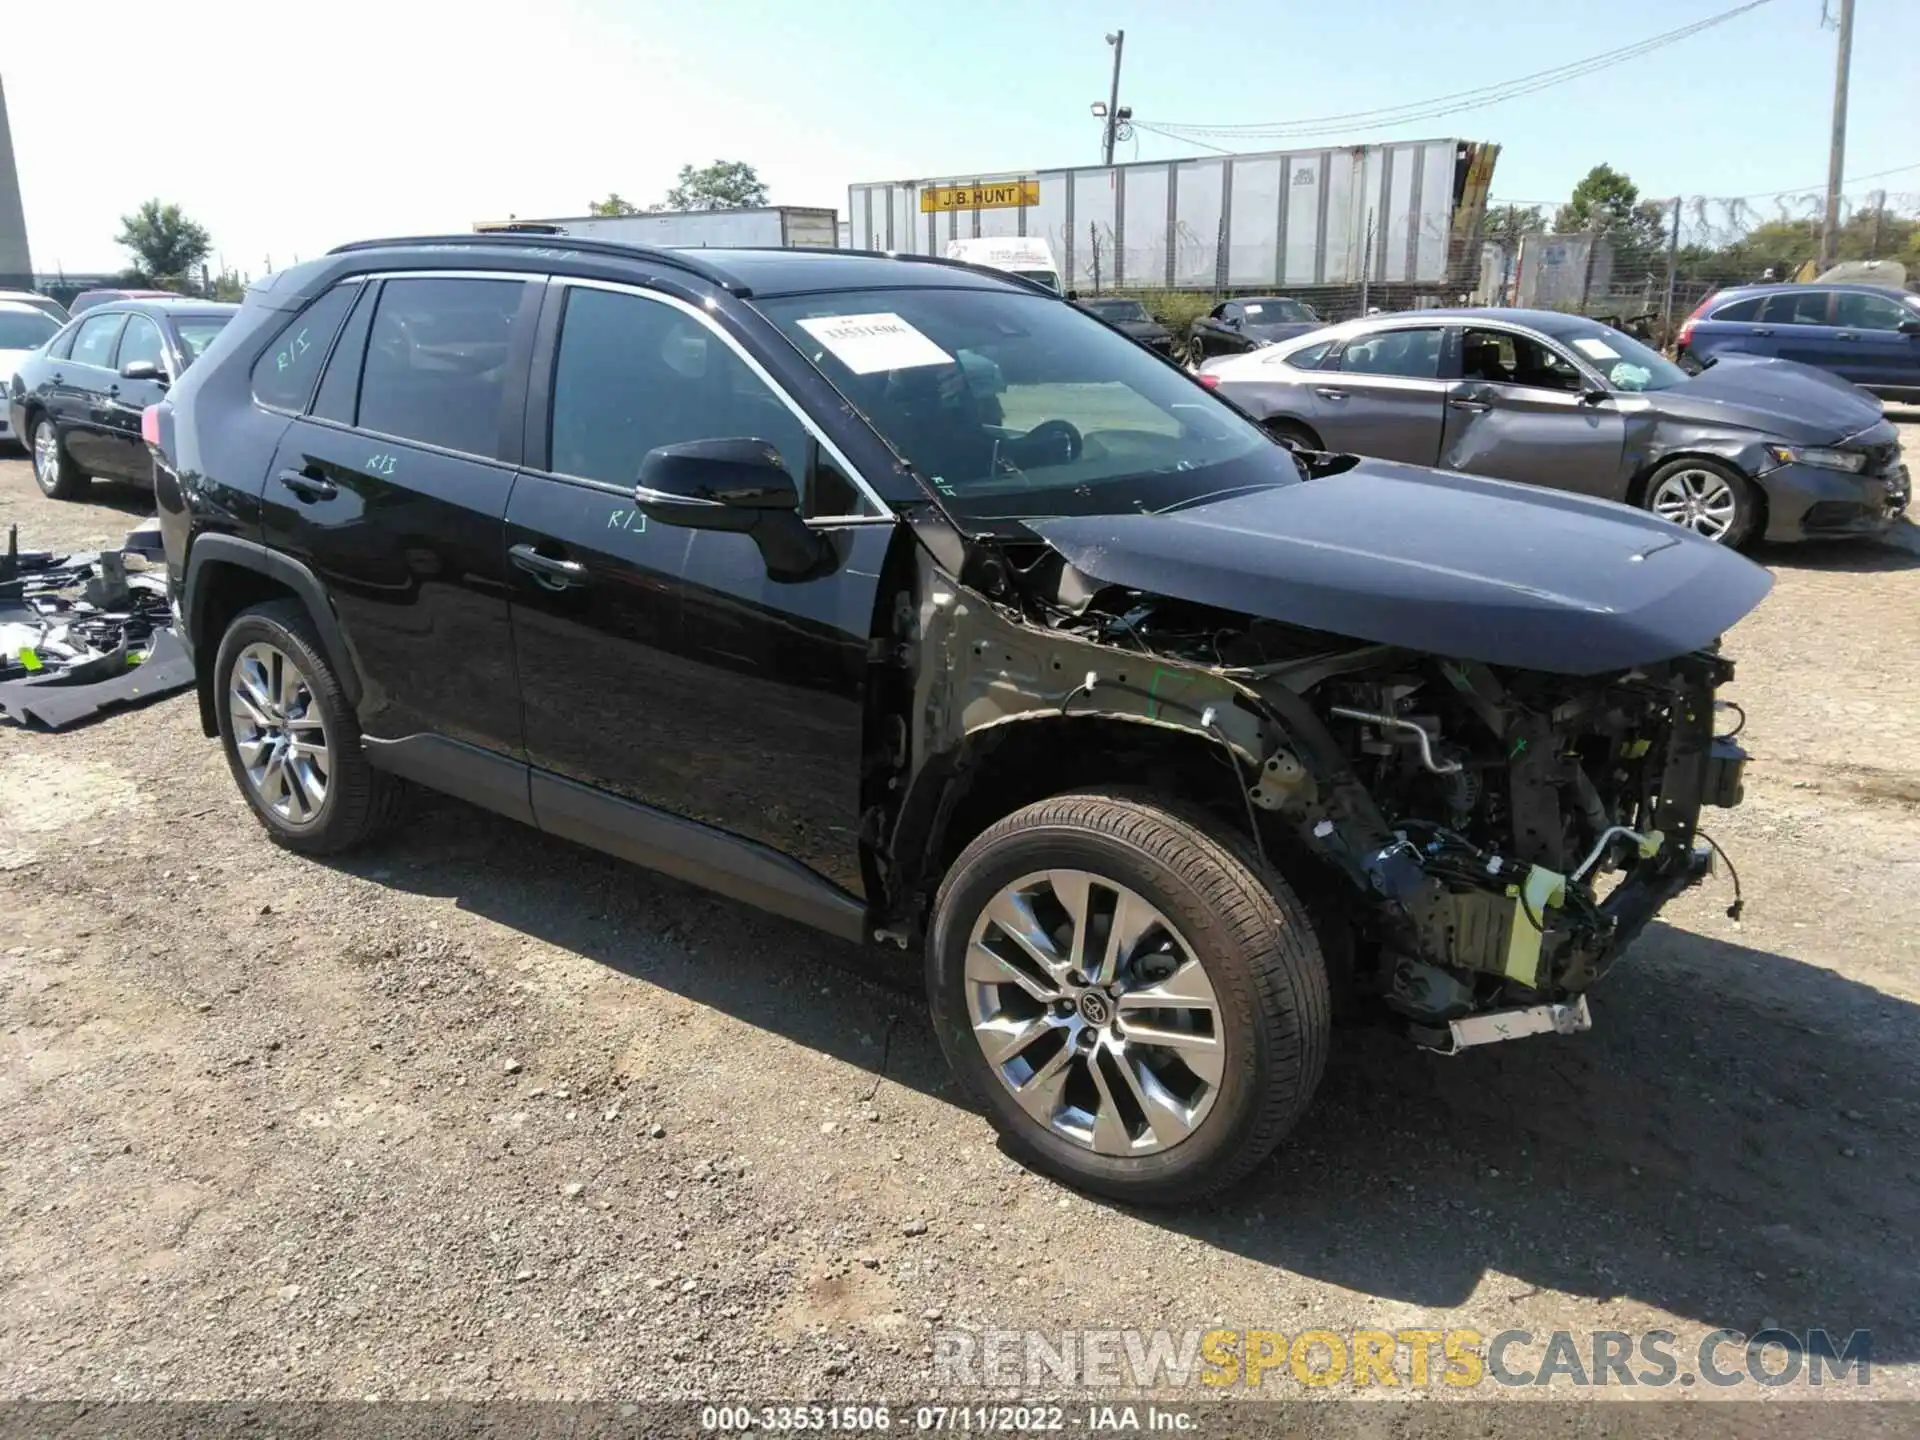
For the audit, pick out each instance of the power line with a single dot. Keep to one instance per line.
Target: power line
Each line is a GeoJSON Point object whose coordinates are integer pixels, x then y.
{"type": "Point", "coordinates": [1442, 105]}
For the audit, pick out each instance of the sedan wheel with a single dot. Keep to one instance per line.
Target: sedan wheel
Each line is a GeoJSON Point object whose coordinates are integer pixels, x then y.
{"type": "Point", "coordinates": [1703, 500]}
{"type": "Point", "coordinates": [279, 734]}
{"type": "Point", "coordinates": [1196, 352]}
{"type": "Point", "coordinates": [52, 471]}
{"type": "Point", "coordinates": [1093, 1011]}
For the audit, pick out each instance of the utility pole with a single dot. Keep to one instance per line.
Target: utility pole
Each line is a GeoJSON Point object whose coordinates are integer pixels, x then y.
{"type": "Point", "coordinates": [1837, 155]}
{"type": "Point", "coordinates": [1118, 40]}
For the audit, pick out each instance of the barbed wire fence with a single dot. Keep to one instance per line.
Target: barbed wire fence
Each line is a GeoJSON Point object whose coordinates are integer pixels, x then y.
{"type": "Point", "coordinates": [1648, 268]}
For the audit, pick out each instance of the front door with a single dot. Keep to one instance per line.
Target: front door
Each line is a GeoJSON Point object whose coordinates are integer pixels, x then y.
{"type": "Point", "coordinates": [123, 453]}
{"type": "Point", "coordinates": [1870, 348]}
{"type": "Point", "coordinates": [1382, 395]}
{"type": "Point", "coordinates": [664, 666]}
{"type": "Point", "coordinates": [1520, 411]}
{"type": "Point", "coordinates": [395, 499]}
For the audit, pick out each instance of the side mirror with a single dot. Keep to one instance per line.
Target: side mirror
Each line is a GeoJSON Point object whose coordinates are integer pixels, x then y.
{"type": "Point", "coordinates": [1594, 397]}
{"type": "Point", "coordinates": [738, 485]}
{"type": "Point", "coordinates": [143, 370]}
{"type": "Point", "coordinates": [1910, 327]}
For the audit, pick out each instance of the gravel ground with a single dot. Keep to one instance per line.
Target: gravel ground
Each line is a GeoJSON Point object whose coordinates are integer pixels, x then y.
{"type": "Point", "coordinates": [480, 1114]}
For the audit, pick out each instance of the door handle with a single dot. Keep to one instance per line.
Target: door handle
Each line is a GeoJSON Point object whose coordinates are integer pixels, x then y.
{"type": "Point", "coordinates": [1761, 330]}
{"type": "Point", "coordinates": [547, 569]}
{"type": "Point", "coordinates": [308, 484]}
{"type": "Point", "coordinates": [1463, 403]}
{"type": "Point", "coordinates": [1327, 392]}
{"type": "Point", "coordinates": [1846, 335]}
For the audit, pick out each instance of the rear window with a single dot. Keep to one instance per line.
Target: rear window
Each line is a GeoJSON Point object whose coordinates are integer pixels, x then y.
{"type": "Point", "coordinates": [1309, 358]}
{"type": "Point", "coordinates": [1796, 307]}
{"type": "Point", "coordinates": [1739, 310]}
{"type": "Point", "coordinates": [283, 377]}
{"type": "Point", "coordinates": [437, 359]}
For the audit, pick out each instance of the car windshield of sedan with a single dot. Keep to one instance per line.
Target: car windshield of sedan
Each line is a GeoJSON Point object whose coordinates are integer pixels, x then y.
{"type": "Point", "coordinates": [1017, 407]}
{"type": "Point", "coordinates": [26, 328]}
{"type": "Point", "coordinates": [1119, 311]}
{"type": "Point", "coordinates": [1280, 312]}
{"type": "Point", "coordinates": [1624, 362]}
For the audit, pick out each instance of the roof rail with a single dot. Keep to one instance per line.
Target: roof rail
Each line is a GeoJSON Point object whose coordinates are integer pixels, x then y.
{"type": "Point", "coordinates": [687, 260]}
{"type": "Point", "coordinates": [968, 265]}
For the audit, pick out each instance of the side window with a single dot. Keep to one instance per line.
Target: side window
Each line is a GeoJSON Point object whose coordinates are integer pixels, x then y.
{"type": "Point", "coordinates": [1414, 354]}
{"type": "Point", "coordinates": [1857, 311]}
{"type": "Point", "coordinates": [140, 341]}
{"type": "Point", "coordinates": [62, 346]}
{"type": "Point", "coordinates": [633, 374]}
{"type": "Point", "coordinates": [93, 345]}
{"type": "Point", "coordinates": [340, 386]}
{"type": "Point", "coordinates": [437, 359]}
{"type": "Point", "coordinates": [1230, 312]}
{"type": "Point", "coordinates": [1309, 358]}
{"type": "Point", "coordinates": [1740, 310]}
{"type": "Point", "coordinates": [283, 377]}
{"type": "Point", "coordinates": [1795, 307]}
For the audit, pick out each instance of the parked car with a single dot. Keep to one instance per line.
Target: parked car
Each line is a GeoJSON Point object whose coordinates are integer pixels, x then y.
{"type": "Point", "coordinates": [44, 303]}
{"type": "Point", "coordinates": [1761, 448]}
{"type": "Point", "coordinates": [1234, 327]}
{"type": "Point", "coordinates": [1131, 319]}
{"type": "Point", "coordinates": [87, 299]}
{"type": "Point", "coordinates": [23, 329]}
{"type": "Point", "coordinates": [706, 558]}
{"type": "Point", "coordinates": [1868, 334]}
{"type": "Point", "coordinates": [78, 398]}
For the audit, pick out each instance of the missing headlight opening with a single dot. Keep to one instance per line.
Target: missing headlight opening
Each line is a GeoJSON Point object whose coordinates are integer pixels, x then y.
{"type": "Point", "coordinates": [1485, 839]}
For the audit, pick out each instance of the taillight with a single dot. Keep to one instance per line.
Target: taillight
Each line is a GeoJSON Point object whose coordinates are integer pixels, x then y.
{"type": "Point", "coordinates": [1211, 381]}
{"type": "Point", "coordinates": [150, 424]}
{"type": "Point", "coordinates": [1686, 326]}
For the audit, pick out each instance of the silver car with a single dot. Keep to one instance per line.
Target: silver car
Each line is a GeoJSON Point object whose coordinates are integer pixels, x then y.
{"type": "Point", "coordinates": [1746, 449]}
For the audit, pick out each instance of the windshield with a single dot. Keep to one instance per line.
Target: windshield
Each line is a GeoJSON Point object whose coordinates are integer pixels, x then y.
{"type": "Point", "coordinates": [1015, 407]}
{"type": "Point", "coordinates": [1119, 310]}
{"type": "Point", "coordinates": [1280, 312]}
{"type": "Point", "coordinates": [25, 329]}
{"type": "Point", "coordinates": [197, 331]}
{"type": "Point", "coordinates": [1624, 363]}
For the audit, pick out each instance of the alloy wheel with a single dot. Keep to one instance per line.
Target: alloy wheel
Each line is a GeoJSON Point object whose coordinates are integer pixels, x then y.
{"type": "Point", "coordinates": [46, 456]}
{"type": "Point", "coordinates": [279, 733]}
{"type": "Point", "coordinates": [1094, 1012]}
{"type": "Point", "coordinates": [1699, 499]}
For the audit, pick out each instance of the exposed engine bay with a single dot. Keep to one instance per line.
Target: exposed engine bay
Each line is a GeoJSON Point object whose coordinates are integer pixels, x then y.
{"type": "Point", "coordinates": [1491, 837]}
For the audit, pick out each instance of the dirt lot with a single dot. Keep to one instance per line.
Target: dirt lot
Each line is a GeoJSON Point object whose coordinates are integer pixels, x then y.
{"type": "Point", "coordinates": [481, 1114]}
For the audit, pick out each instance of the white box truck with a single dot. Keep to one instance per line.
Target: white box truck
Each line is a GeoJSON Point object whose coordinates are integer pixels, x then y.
{"type": "Point", "coordinates": [1018, 255]}
{"type": "Point", "coordinates": [787, 227]}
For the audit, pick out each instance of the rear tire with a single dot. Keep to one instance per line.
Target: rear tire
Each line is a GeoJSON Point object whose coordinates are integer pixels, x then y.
{"type": "Point", "coordinates": [1196, 352]}
{"type": "Point", "coordinates": [1294, 435]}
{"type": "Point", "coordinates": [53, 468]}
{"type": "Point", "coordinates": [1219, 936]}
{"type": "Point", "coordinates": [292, 740]}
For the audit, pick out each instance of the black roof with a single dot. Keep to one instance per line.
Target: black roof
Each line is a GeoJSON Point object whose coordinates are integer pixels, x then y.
{"type": "Point", "coordinates": [762, 272]}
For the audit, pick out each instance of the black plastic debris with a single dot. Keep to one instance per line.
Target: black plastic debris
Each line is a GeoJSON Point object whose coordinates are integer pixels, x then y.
{"type": "Point", "coordinates": [82, 633]}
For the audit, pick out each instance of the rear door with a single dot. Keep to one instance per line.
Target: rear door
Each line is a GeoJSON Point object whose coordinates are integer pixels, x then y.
{"type": "Point", "coordinates": [393, 490]}
{"type": "Point", "coordinates": [1794, 326]}
{"type": "Point", "coordinates": [123, 452]}
{"type": "Point", "coordinates": [663, 666]}
{"type": "Point", "coordinates": [1382, 394]}
{"type": "Point", "coordinates": [79, 398]}
{"type": "Point", "coordinates": [1731, 328]}
{"type": "Point", "coordinates": [1518, 412]}
{"type": "Point", "coordinates": [1870, 348]}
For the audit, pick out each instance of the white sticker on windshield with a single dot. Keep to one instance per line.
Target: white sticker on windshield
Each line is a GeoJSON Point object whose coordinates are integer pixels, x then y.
{"type": "Point", "coordinates": [869, 343]}
{"type": "Point", "coordinates": [1596, 349]}
{"type": "Point", "coordinates": [1251, 309]}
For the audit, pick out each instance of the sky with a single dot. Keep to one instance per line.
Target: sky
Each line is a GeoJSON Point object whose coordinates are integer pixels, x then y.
{"type": "Point", "coordinates": [285, 133]}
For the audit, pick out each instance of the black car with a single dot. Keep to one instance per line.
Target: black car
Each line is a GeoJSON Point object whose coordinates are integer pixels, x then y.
{"type": "Point", "coordinates": [1131, 319]}
{"type": "Point", "coordinates": [1235, 326]}
{"type": "Point", "coordinates": [1747, 449]}
{"type": "Point", "coordinates": [76, 401]}
{"type": "Point", "coordinates": [708, 559]}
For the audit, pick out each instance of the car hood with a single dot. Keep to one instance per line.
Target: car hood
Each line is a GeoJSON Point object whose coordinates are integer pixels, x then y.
{"type": "Point", "coordinates": [1453, 565]}
{"type": "Point", "coordinates": [1285, 331]}
{"type": "Point", "coordinates": [1783, 399]}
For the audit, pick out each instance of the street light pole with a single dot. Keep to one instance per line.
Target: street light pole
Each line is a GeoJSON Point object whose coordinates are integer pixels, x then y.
{"type": "Point", "coordinates": [1118, 39]}
{"type": "Point", "coordinates": [1837, 155]}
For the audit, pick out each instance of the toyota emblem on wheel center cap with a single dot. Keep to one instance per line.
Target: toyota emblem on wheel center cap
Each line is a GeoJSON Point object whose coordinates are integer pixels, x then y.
{"type": "Point", "coordinates": [1095, 1008]}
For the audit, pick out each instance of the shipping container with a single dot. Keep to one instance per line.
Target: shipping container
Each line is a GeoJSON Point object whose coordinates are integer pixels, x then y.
{"type": "Point", "coordinates": [785, 226]}
{"type": "Point", "coordinates": [1405, 214]}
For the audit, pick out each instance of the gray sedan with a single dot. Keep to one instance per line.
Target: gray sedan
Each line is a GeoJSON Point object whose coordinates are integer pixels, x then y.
{"type": "Point", "coordinates": [1746, 449]}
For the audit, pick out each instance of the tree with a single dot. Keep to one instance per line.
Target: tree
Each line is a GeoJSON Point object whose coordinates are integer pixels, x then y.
{"type": "Point", "coordinates": [1507, 223]}
{"type": "Point", "coordinates": [723, 185]}
{"type": "Point", "coordinates": [166, 245]}
{"type": "Point", "coordinates": [614, 204]}
{"type": "Point", "coordinates": [1606, 200]}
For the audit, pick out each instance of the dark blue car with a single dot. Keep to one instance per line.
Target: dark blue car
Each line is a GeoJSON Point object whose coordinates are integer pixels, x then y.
{"type": "Point", "coordinates": [1869, 334]}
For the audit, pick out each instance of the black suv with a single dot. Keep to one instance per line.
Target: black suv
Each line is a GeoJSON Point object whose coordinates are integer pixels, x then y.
{"type": "Point", "coordinates": [1162, 742]}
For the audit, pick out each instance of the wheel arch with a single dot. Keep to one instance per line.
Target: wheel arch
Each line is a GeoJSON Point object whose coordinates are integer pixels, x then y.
{"type": "Point", "coordinates": [226, 575]}
{"type": "Point", "coordinates": [1730, 458]}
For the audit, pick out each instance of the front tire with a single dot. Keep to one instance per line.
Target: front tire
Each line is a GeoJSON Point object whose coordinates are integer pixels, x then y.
{"type": "Point", "coordinates": [1708, 498]}
{"type": "Point", "coordinates": [292, 740]}
{"type": "Point", "coordinates": [53, 470]}
{"type": "Point", "coordinates": [1138, 1011]}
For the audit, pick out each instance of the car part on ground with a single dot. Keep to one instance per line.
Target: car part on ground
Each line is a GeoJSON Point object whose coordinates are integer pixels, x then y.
{"type": "Point", "coordinates": [79, 635]}
{"type": "Point", "coordinates": [1161, 737]}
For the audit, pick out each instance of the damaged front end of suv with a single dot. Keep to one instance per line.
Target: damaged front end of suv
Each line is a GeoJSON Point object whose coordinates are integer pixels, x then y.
{"type": "Point", "coordinates": [1484, 776]}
